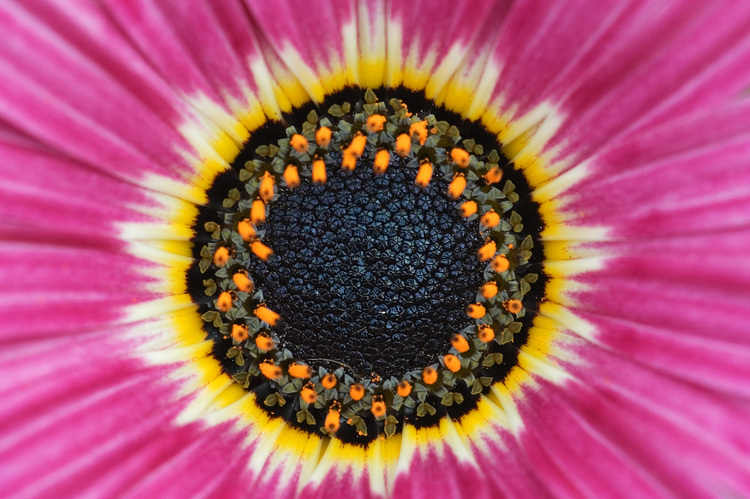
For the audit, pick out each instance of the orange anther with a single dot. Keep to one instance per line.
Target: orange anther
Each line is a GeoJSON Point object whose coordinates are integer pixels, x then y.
{"type": "Point", "coordinates": [329, 381]}
{"type": "Point", "coordinates": [246, 230]}
{"type": "Point", "coordinates": [452, 363]}
{"type": "Point", "coordinates": [494, 175]}
{"type": "Point", "coordinates": [476, 311]}
{"type": "Point", "coordinates": [269, 370]}
{"type": "Point", "coordinates": [323, 136]}
{"type": "Point", "coordinates": [429, 375]}
{"type": "Point", "coordinates": [500, 263]}
{"type": "Point", "coordinates": [485, 252]}
{"type": "Point", "coordinates": [490, 219]}
{"type": "Point", "coordinates": [221, 255]}
{"type": "Point", "coordinates": [267, 315]}
{"type": "Point", "coordinates": [291, 176]}
{"type": "Point", "coordinates": [513, 306]}
{"type": "Point", "coordinates": [264, 342]}
{"type": "Point", "coordinates": [460, 343]}
{"type": "Point", "coordinates": [510, 246]}
{"type": "Point", "coordinates": [299, 143]}
{"type": "Point", "coordinates": [375, 123]}
{"type": "Point", "coordinates": [378, 408]}
{"type": "Point", "coordinates": [261, 250]}
{"type": "Point", "coordinates": [357, 146]}
{"type": "Point", "coordinates": [243, 281]}
{"type": "Point", "coordinates": [460, 157]}
{"type": "Point", "coordinates": [420, 130]}
{"type": "Point", "coordinates": [457, 186]}
{"type": "Point", "coordinates": [485, 334]}
{"type": "Point", "coordinates": [424, 175]}
{"type": "Point", "coordinates": [239, 333]}
{"type": "Point", "coordinates": [319, 171]}
{"type": "Point", "coordinates": [403, 388]}
{"type": "Point", "coordinates": [333, 420]}
{"type": "Point", "coordinates": [308, 394]}
{"type": "Point", "coordinates": [357, 391]}
{"type": "Point", "coordinates": [258, 212]}
{"type": "Point", "coordinates": [265, 189]}
{"type": "Point", "coordinates": [224, 301]}
{"type": "Point", "coordinates": [382, 158]}
{"type": "Point", "coordinates": [403, 145]}
{"type": "Point", "coordinates": [300, 371]}
{"type": "Point", "coordinates": [349, 161]}
{"type": "Point", "coordinates": [468, 208]}
{"type": "Point", "coordinates": [488, 289]}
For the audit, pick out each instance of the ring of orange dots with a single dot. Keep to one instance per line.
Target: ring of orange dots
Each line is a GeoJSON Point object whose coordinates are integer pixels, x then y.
{"type": "Point", "coordinates": [433, 148]}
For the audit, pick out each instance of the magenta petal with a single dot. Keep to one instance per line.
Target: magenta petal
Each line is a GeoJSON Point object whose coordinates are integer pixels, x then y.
{"type": "Point", "coordinates": [65, 287]}
{"type": "Point", "coordinates": [451, 478]}
{"type": "Point", "coordinates": [290, 23]}
{"type": "Point", "coordinates": [46, 194]}
{"type": "Point", "coordinates": [624, 413]}
{"type": "Point", "coordinates": [43, 96]}
{"type": "Point", "coordinates": [194, 45]}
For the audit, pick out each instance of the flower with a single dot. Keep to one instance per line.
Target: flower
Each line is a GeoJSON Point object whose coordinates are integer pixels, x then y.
{"type": "Point", "coordinates": [629, 122]}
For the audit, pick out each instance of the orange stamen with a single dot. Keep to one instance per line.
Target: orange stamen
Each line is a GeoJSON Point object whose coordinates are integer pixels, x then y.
{"type": "Point", "coordinates": [420, 130]}
{"type": "Point", "coordinates": [382, 158]}
{"type": "Point", "coordinates": [267, 315]}
{"type": "Point", "coordinates": [378, 408]}
{"type": "Point", "coordinates": [299, 143]}
{"type": "Point", "coordinates": [424, 175]}
{"type": "Point", "coordinates": [460, 343]}
{"type": "Point", "coordinates": [452, 363]}
{"type": "Point", "coordinates": [357, 146]}
{"type": "Point", "coordinates": [485, 252]}
{"type": "Point", "coordinates": [490, 219]}
{"type": "Point", "coordinates": [333, 421]}
{"type": "Point", "coordinates": [357, 391]}
{"type": "Point", "coordinates": [224, 302]}
{"type": "Point", "coordinates": [404, 388]}
{"type": "Point", "coordinates": [221, 255]}
{"type": "Point", "coordinates": [460, 157]}
{"type": "Point", "coordinates": [246, 230]}
{"type": "Point", "coordinates": [269, 370]}
{"type": "Point", "coordinates": [300, 371]}
{"type": "Point", "coordinates": [513, 306]}
{"type": "Point", "coordinates": [319, 171]}
{"type": "Point", "coordinates": [349, 161]}
{"type": "Point", "coordinates": [457, 186]}
{"type": "Point", "coordinates": [485, 334]}
{"type": "Point", "coordinates": [266, 190]}
{"type": "Point", "coordinates": [261, 250]}
{"type": "Point", "coordinates": [494, 175]}
{"type": "Point", "coordinates": [329, 381]}
{"type": "Point", "coordinates": [291, 176]}
{"type": "Point", "coordinates": [476, 311]}
{"type": "Point", "coordinates": [323, 136]}
{"type": "Point", "coordinates": [468, 208]}
{"type": "Point", "coordinates": [239, 333]}
{"type": "Point", "coordinates": [403, 145]}
{"type": "Point", "coordinates": [488, 289]}
{"type": "Point", "coordinates": [429, 375]}
{"type": "Point", "coordinates": [243, 282]}
{"type": "Point", "coordinates": [500, 263]}
{"type": "Point", "coordinates": [264, 342]}
{"type": "Point", "coordinates": [258, 212]}
{"type": "Point", "coordinates": [375, 123]}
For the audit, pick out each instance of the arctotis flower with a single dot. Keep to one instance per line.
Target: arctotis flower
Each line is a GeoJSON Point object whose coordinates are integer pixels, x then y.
{"type": "Point", "coordinates": [374, 249]}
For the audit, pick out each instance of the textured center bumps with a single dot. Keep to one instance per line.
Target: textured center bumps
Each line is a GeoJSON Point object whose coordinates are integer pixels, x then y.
{"type": "Point", "coordinates": [370, 271]}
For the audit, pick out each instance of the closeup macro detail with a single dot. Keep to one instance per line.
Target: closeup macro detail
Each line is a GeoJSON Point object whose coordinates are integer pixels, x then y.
{"type": "Point", "coordinates": [479, 249]}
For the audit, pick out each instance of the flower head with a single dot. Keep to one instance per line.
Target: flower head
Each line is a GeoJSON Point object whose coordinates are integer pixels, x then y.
{"type": "Point", "coordinates": [389, 249]}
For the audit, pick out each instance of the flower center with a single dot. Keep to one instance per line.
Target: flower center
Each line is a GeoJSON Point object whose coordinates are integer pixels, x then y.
{"type": "Point", "coordinates": [369, 270]}
{"type": "Point", "coordinates": [368, 267]}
